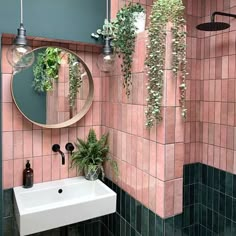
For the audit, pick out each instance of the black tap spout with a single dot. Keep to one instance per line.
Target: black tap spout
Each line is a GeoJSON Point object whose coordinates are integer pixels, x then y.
{"type": "Point", "coordinates": [56, 148]}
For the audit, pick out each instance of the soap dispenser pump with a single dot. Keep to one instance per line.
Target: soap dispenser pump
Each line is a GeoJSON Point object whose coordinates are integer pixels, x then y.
{"type": "Point", "coordinates": [28, 176]}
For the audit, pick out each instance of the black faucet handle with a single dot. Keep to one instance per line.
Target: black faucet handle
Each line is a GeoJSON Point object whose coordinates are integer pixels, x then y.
{"type": "Point", "coordinates": [56, 147]}
{"type": "Point", "coordinates": [70, 147]}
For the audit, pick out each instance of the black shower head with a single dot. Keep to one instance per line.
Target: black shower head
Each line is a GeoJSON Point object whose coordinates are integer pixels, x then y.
{"type": "Point", "coordinates": [213, 26]}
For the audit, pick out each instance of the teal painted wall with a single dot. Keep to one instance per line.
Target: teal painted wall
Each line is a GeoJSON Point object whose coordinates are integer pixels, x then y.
{"type": "Point", "coordinates": [60, 19]}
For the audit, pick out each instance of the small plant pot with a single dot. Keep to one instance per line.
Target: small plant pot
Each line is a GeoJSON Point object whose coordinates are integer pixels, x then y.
{"type": "Point", "coordinates": [92, 173]}
{"type": "Point", "coordinates": [140, 21]}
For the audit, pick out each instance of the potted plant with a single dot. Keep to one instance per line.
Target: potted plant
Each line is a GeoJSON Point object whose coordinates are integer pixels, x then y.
{"type": "Point", "coordinates": [91, 155]}
{"type": "Point", "coordinates": [165, 12]}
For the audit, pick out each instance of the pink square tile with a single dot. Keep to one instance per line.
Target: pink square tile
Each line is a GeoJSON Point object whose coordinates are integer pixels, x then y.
{"type": "Point", "coordinates": [178, 196]}
{"type": "Point", "coordinates": [139, 185]}
{"type": "Point", "coordinates": [146, 155]}
{"type": "Point", "coordinates": [169, 161]}
{"type": "Point", "coordinates": [47, 168]}
{"type": "Point", "coordinates": [8, 174]}
{"type": "Point", "coordinates": [28, 143]}
{"type": "Point", "coordinates": [153, 161]}
{"type": "Point", "coordinates": [7, 117]}
{"type": "Point", "coordinates": [152, 193]}
{"type": "Point", "coordinates": [160, 172]}
{"type": "Point", "coordinates": [37, 143]}
{"type": "Point", "coordinates": [179, 159]}
{"type": "Point", "coordinates": [7, 148]}
{"type": "Point", "coordinates": [18, 172]}
{"type": "Point", "coordinates": [38, 169]}
{"type": "Point", "coordinates": [160, 191]}
{"type": "Point", "coordinates": [18, 144]}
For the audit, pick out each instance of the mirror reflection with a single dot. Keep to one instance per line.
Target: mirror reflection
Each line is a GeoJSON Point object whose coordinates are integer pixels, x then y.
{"type": "Point", "coordinates": [55, 89]}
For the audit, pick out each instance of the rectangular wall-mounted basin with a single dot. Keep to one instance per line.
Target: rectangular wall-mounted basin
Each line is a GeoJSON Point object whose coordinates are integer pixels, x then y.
{"type": "Point", "coordinates": [62, 202]}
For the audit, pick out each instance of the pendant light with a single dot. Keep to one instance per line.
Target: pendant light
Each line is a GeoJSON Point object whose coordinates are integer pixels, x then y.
{"type": "Point", "coordinates": [107, 58]}
{"type": "Point", "coordinates": [20, 55]}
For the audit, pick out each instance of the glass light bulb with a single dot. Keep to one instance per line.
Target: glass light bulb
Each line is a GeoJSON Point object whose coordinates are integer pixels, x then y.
{"type": "Point", "coordinates": [20, 56]}
{"type": "Point", "coordinates": [106, 62]}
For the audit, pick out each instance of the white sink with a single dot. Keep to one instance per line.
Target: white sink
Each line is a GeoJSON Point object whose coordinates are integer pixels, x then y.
{"type": "Point", "coordinates": [43, 207]}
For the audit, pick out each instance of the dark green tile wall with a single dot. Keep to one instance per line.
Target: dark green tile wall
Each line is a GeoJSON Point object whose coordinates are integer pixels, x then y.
{"type": "Point", "coordinates": [209, 210]}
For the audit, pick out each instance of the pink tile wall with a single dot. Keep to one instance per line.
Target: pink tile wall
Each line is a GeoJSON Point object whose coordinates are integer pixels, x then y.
{"type": "Point", "coordinates": [23, 141]}
{"type": "Point", "coordinates": [218, 98]}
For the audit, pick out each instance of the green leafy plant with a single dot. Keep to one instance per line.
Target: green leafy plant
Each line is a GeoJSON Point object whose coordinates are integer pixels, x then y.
{"type": "Point", "coordinates": [163, 12]}
{"type": "Point", "coordinates": [46, 69]}
{"type": "Point", "coordinates": [124, 40]}
{"type": "Point", "coordinates": [92, 153]}
{"type": "Point", "coordinates": [75, 79]}
{"type": "Point", "coordinates": [105, 32]}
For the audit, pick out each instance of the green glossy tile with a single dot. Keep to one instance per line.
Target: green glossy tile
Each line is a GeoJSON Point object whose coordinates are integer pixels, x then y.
{"type": "Point", "coordinates": [227, 231]}
{"type": "Point", "coordinates": [204, 195]}
{"type": "Point", "coordinates": [215, 218]}
{"type": "Point", "coordinates": [204, 216]}
{"type": "Point", "coordinates": [138, 217]}
{"type": "Point", "coordinates": [234, 210]}
{"type": "Point", "coordinates": [229, 184]}
{"type": "Point", "coordinates": [186, 216]}
{"type": "Point", "coordinates": [8, 203]}
{"type": "Point", "coordinates": [185, 231]}
{"type": "Point", "coordinates": [196, 230]}
{"type": "Point", "coordinates": [216, 200]}
{"type": "Point", "coordinates": [133, 212]}
{"type": "Point", "coordinates": [210, 175]}
{"type": "Point", "coordinates": [127, 208]}
{"type": "Point", "coordinates": [234, 186]}
{"type": "Point", "coordinates": [145, 222]}
{"type": "Point", "coordinates": [169, 226]}
{"type": "Point", "coordinates": [216, 179]}
{"type": "Point", "coordinates": [186, 175]}
{"type": "Point", "coordinates": [152, 223]}
{"type": "Point", "coordinates": [191, 174]}
{"type": "Point", "coordinates": [222, 181]}
{"type": "Point", "coordinates": [123, 207]}
{"type": "Point", "coordinates": [118, 226]}
{"type": "Point", "coordinates": [186, 195]}
{"type": "Point", "coordinates": [233, 228]}
{"type": "Point", "coordinates": [204, 174]}
{"type": "Point", "coordinates": [222, 204]}
{"type": "Point", "coordinates": [178, 221]}
{"type": "Point", "coordinates": [221, 224]}
{"type": "Point", "coordinates": [209, 198]}
{"type": "Point", "coordinates": [191, 194]}
{"type": "Point", "coordinates": [196, 193]}
{"type": "Point", "coordinates": [133, 233]}
{"type": "Point", "coordinates": [229, 207]}
{"type": "Point", "coordinates": [128, 229]}
{"type": "Point", "coordinates": [159, 226]}
{"type": "Point", "coordinates": [118, 200]}
{"type": "Point", "coordinates": [122, 227]}
{"type": "Point", "coordinates": [191, 215]}
{"type": "Point", "coordinates": [196, 214]}
{"type": "Point", "coordinates": [209, 219]}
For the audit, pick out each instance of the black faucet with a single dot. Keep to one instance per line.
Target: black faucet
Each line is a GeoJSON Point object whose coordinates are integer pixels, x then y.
{"type": "Point", "coordinates": [70, 148]}
{"type": "Point", "coordinates": [56, 148]}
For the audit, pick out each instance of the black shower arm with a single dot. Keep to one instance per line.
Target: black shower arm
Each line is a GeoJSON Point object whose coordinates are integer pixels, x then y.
{"type": "Point", "coordinates": [221, 14]}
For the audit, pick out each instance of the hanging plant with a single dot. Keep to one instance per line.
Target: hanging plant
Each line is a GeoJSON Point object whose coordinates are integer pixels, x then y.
{"type": "Point", "coordinates": [124, 40]}
{"type": "Point", "coordinates": [75, 79]}
{"type": "Point", "coordinates": [46, 69]}
{"type": "Point", "coordinates": [163, 12]}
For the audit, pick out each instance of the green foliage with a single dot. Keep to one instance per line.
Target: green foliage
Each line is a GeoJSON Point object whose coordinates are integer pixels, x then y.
{"type": "Point", "coordinates": [75, 80]}
{"type": "Point", "coordinates": [121, 32]}
{"type": "Point", "coordinates": [46, 69]}
{"type": "Point", "coordinates": [92, 153]}
{"type": "Point", "coordinates": [164, 11]}
{"type": "Point", "coordinates": [124, 40]}
{"type": "Point", "coordinates": [106, 31]}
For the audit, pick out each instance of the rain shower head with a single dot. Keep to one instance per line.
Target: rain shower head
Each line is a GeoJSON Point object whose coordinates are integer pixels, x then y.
{"type": "Point", "coordinates": [213, 25]}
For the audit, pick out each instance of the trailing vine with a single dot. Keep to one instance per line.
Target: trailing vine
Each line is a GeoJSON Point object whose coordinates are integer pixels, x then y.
{"type": "Point", "coordinates": [46, 69]}
{"type": "Point", "coordinates": [165, 11]}
{"type": "Point", "coordinates": [75, 79]}
{"type": "Point", "coordinates": [124, 40]}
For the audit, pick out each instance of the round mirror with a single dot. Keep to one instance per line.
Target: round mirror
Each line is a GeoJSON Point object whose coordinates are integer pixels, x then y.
{"type": "Point", "coordinates": [56, 91]}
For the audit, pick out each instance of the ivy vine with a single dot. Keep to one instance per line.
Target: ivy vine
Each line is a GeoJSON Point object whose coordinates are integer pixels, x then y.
{"type": "Point", "coordinates": [124, 40]}
{"type": "Point", "coordinates": [46, 69]}
{"type": "Point", "coordinates": [165, 11]}
{"type": "Point", "coordinates": [75, 79]}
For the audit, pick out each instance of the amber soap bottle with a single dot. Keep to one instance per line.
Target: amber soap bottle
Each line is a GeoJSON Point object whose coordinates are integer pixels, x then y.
{"type": "Point", "coordinates": [28, 176]}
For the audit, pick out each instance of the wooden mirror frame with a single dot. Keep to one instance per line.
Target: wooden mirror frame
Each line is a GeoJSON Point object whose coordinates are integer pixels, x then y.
{"type": "Point", "coordinates": [85, 107]}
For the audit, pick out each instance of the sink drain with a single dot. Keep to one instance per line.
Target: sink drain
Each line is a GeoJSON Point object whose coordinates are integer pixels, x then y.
{"type": "Point", "coordinates": [60, 190]}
